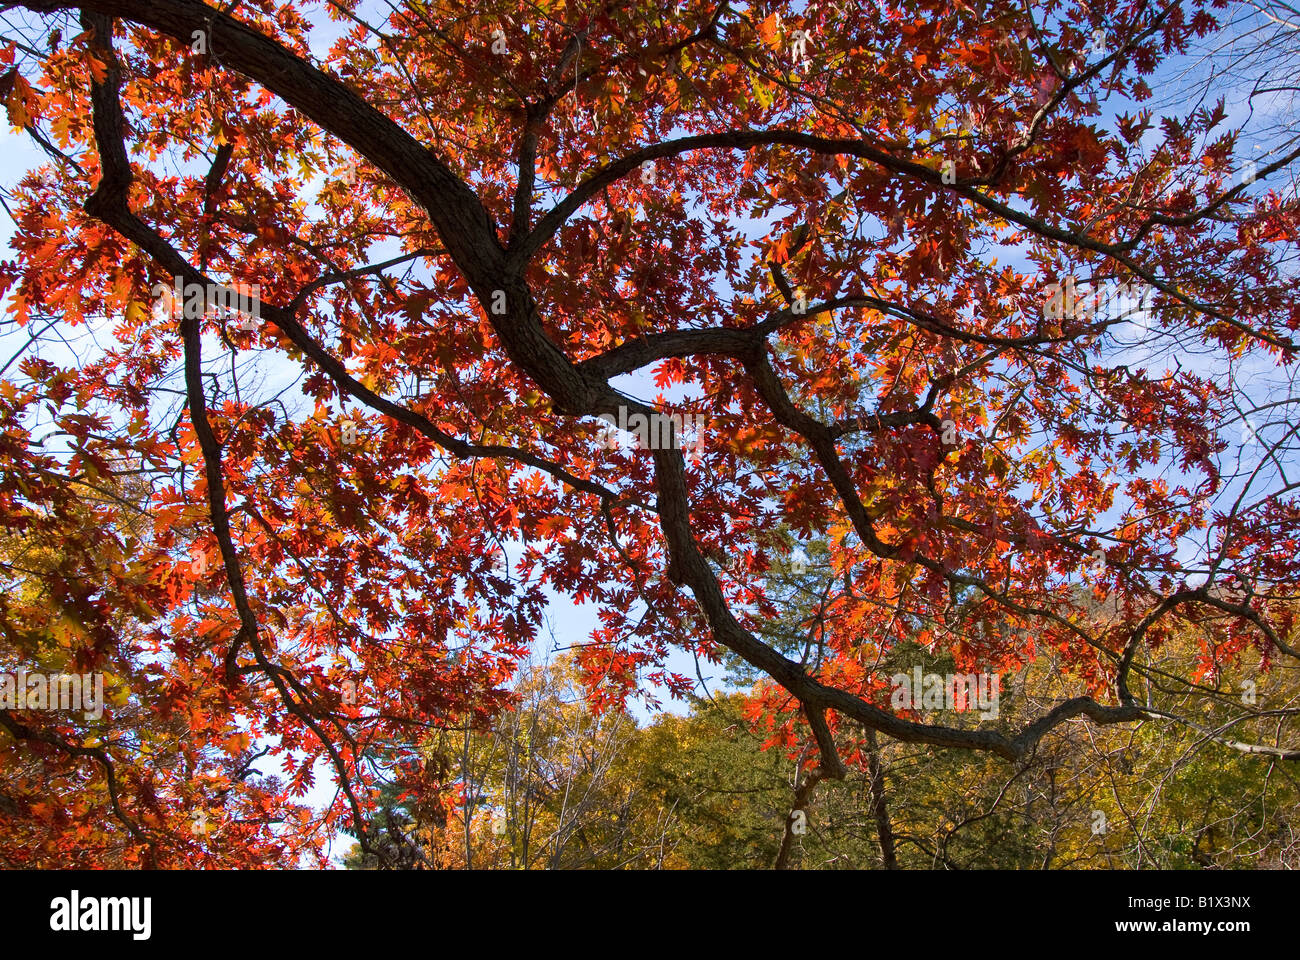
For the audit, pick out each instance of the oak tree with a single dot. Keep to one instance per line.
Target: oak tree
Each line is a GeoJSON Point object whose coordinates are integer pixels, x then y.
{"type": "Point", "coordinates": [416, 316]}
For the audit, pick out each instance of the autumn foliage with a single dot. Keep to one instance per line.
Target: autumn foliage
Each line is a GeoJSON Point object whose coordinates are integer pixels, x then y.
{"type": "Point", "coordinates": [301, 544]}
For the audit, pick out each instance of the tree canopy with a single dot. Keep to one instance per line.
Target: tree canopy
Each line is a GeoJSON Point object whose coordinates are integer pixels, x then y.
{"type": "Point", "coordinates": [819, 342]}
